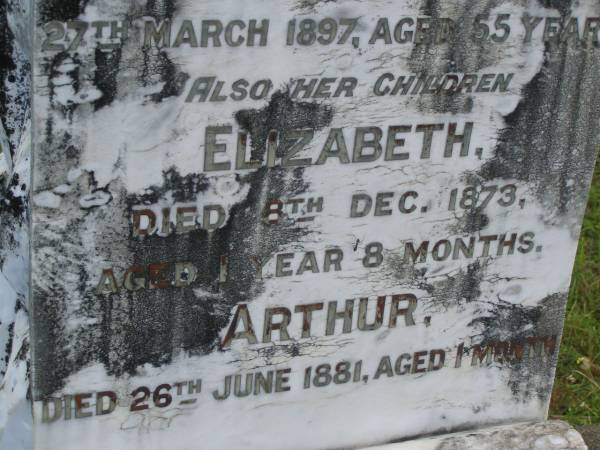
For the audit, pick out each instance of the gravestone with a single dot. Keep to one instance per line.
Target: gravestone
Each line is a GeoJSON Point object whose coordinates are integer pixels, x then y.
{"type": "Point", "coordinates": [302, 223]}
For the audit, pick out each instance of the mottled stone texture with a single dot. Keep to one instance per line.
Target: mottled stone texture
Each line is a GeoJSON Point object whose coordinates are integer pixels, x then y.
{"type": "Point", "coordinates": [120, 128]}
{"type": "Point", "coordinates": [554, 435]}
{"type": "Point", "coordinates": [15, 143]}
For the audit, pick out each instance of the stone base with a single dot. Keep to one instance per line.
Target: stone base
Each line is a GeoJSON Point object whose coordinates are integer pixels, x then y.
{"type": "Point", "coordinates": [552, 435]}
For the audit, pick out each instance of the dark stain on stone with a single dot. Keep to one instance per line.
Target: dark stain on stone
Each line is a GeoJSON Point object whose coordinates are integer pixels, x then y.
{"type": "Point", "coordinates": [161, 9]}
{"type": "Point", "coordinates": [277, 116]}
{"type": "Point", "coordinates": [173, 79]}
{"type": "Point", "coordinates": [22, 352]}
{"type": "Point", "coordinates": [442, 293]}
{"type": "Point", "coordinates": [13, 213]}
{"type": "Point", "coordinates": [52, 68]}
{"type": "Point", "coordinates": [182, 188]}
{"type": "Point", "coordinates": [156, 66]}
{"type": "Point", "coordinates": [54, 357]}
{"type": "Point", "coordinates": [13, 198]}
{"type": "Point", "coordinates": [6, 41]}
{"type": "Point", "coordinates": [174, 85]}
{"type": "Point", "coordinates": [460, 53]}
{"type": "Point", "coordinates": [8, 347]}
{"type": "Point", "coordinates": [462, 287]}
{"type": "Point", "coordinates": [505, 321]}
{"type": "Point", "coordinates": [550, 138]}
{"type": "Point", "coordinates": [429, 8]}
{"type": "Point", "coordinates": [152, 326]}
{"type": "Point", "coordinates": [472, 221]}
{"type": "Point", "coordinates": [311, 4]}
{"type": "Point", "coordinates": [61, 10]}
{"type": "Point", "coordinates": [563, 6]}
{"type": "Point", "coordinates": [108, 65]}
{"type": "Point", "coordinates": [7, 63]}
{"type": "Point", "coordinates": [15, 70]}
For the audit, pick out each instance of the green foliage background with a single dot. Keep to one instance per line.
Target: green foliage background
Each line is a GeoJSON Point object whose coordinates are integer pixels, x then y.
{"type": "Point", "coordinates": [576, 396]}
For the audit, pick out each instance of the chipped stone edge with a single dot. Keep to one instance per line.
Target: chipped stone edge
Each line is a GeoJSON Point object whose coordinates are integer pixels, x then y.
{"type": "Point", "coordinates": [548, 435]}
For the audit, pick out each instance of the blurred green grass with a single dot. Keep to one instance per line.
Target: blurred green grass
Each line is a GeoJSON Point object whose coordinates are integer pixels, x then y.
{"type": "Point", "coordinates": [576, 395]}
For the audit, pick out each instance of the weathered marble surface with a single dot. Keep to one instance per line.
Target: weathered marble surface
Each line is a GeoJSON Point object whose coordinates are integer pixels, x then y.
{"type": "Point", "coordinates": [114, 135]}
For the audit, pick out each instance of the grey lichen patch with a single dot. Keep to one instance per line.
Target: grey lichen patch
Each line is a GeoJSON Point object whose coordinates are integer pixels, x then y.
{"type": "Point", "coordinates": [443, 292]}
{"type": "Point", "coordinates": [460, 287]}
{"type": "Point", "coordinates": [311, 5]}
{"type": "Point", "coordinates": [507, 320]}
{"type": "Point", "coordinates": [518, 324]}
{"type": "Point", "coordinates": [454, 50]}
{"type": "Point", "coordinates": [471, 221]}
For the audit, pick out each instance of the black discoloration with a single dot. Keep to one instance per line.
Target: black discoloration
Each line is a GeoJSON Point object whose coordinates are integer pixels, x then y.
{"type": "Point", "coordinates": [6, 40]}
{"type": "Point", "coordinates": [499, 320]}
{"type": "Point", "coordinates": [22, 353]}
{"type": "Point", "coordinates": [53, 68]}
{"type": "Point", "coordinates": [173, 79]}
{"type": "Point", "coordinates": [7, 63]}
{"type": "Point", "coordinates": [13, 213]}
{"type": "Point", "coordinates": [277, 116]}
{"type": "Point", "coordinates": [564, 6]}
{"type": "Point", "coordinates": [507, 321]}
{"type": "Point", "coordinates": [186, 188]}
{"type": "Point", "coordinates": [442, 292]}
{"type": "Point", "coordinates": [156, 66]}
{"type": "Point", "coordinates": [13, 198]}
{"type": "Point", "coordinates": [551, 137]}
{"type": "Point", "coordinates": [61, 10]}
{"type": "Point", "coordinates": [8, 347]}
{"type": "Point", "coordinates": [15, 113]}
{"type": "Point", "coordinates": [312, 4]}
{"type": "Point", "coordinates": [461, 287]}
{"type": "Point", "coordinates": [460, 53]}
{"type": "Point", "coordinates": [105, 76]}
{"type": "Point", "coordinates": [472, 221]}
{"type": "Point", "coordinates": [161, 9]}
{"type": "Point", "coordinates": [15, 70]}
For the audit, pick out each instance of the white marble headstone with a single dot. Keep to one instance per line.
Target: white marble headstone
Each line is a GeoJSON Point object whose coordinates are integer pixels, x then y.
{"type": "Point", "coordinates": [303, 224]}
